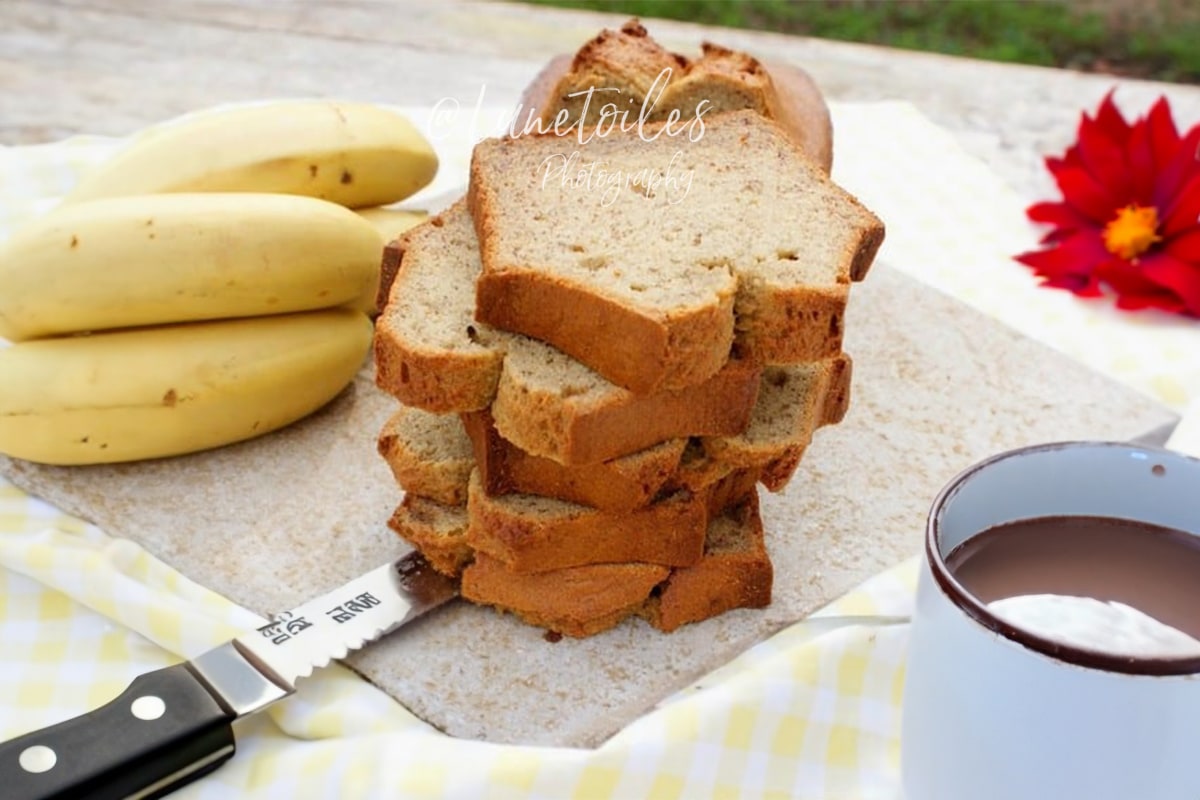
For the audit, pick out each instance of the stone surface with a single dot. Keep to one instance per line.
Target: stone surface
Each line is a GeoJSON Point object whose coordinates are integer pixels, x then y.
{"type": "Point", "coordinates": [272, 522]}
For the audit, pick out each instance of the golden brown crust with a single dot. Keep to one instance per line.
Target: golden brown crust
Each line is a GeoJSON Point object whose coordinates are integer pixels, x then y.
{"type": "Point", "coordinates": [630, 482]}
{"type": "Point", "coordinates": [800, 108]}
{"type": "Point", "coordinates": [630, 60]}
{"type": "Point", "coordinates": [720, 406]}
{"type": "Point", "coordinates": [735, 572]}
{"type": "Point", "coordinates": [618, 485]}
{"type": "Point", "coordinates": [669, 532]}
{"type": "Point", "coordinates": [723, 580]}
{"type": "Point", "coordinates": [388, 267]}
{"type": "Point", "coordinates": [789, 325]}
{"type": "Point", "coordinates": [776, 475]}
{"type": "Point", "coordinates": [799, 400]}
{"type": "Point", "coordinates": [648, 319]}
{"type": "Point", "coordinates": [649, 355]}
{"type": "Point", "coordinates": [438, 531]}
{"type": "Point", "coordinates": [579, 601]}
{"type": "Point", "coordinates": [867, 249]}
{"type": "Point", "coordinates": [436, 381]}
{"type": "Point", "coordinates": [837, 391]}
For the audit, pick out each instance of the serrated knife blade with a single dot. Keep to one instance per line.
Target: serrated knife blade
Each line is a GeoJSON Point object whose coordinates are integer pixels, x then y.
{"type": "Point", "coordinates": [174, 725]}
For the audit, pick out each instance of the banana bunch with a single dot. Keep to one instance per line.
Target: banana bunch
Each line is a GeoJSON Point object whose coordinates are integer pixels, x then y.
{"type": "Point", "coordinates": [207, 285]}
{"type": "Point", "coordinates": [352, 154]}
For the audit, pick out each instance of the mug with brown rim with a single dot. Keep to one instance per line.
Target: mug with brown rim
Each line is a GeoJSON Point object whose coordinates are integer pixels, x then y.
{"type": "Point", "coordinates": [1055, 646]}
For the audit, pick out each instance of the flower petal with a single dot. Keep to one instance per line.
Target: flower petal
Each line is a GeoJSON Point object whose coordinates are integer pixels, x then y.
{"type": "Point", "coordinates": [1071, 262]}
{"type": "Point", "coordinates": [1059, 214]}
{"type": "Point", "coordinates": [1104, 159]}
{"type": "Point", "coordinates": [1178, 170]}
{"type": "Point", "coordinates": [1083, 287]}
{"type": "Point", "coordinates": [1139, 302]}
{"type": "Point", "coordinates": [1086, 195]}
{"type": "Point", "coordinates": [1184, 246]}
{"type": "Point", "coordinates": [1139, 151]}
{"type": "Point", "coordinates": [1110, 119]}
{"type": "Point", "coordinates": [1164, 137]}
{"type": "Point", "coordinates": [1184, 212]}
{"type": "Point", "coordinates": [1182, 278]}
{"type": "Point", "coordinates": [1135, 289]}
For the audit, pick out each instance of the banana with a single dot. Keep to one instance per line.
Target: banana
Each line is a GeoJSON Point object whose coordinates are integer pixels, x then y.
{"type": "Point", "coordinates": [169, 390]}
{"type": "Point", "coordinates": [391, 222]}
{"type": "Point", "coordinates": [353, 154]}
{"type": "Point", "coordinates": [131, 261]}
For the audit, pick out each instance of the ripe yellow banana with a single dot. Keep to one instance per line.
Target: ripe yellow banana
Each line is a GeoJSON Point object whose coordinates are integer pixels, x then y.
{"type": "Point", "coordinates": [153, 259]}
{"type": "Point", "coordinates": [164, 391]}
{"type": "Point", "coordinates": [353, 154]}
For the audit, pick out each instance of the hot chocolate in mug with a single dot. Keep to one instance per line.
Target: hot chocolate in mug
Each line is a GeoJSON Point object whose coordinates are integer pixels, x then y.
{"type": "Point", "coordinates": [1067, 690]}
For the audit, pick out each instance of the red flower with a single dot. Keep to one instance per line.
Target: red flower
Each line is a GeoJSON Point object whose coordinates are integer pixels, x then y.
{"type": "Point", "coordinates": [1130, 214]}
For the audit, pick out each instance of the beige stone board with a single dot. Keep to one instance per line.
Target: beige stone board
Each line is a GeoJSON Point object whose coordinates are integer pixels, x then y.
{"type": "Point", "coordinates": [274, 521]}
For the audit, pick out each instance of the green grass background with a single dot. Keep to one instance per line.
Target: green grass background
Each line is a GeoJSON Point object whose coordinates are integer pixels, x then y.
{"type": "Point", "coordinates": [1157, 39]}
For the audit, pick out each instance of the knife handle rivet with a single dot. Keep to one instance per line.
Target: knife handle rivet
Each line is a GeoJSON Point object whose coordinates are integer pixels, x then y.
{"type": "Point", "coordinates": [37, 758]}
{"type": "Point", "coordinates": [148, 707]}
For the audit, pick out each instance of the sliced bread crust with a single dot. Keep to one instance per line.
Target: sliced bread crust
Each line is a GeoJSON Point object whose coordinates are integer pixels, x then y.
{"type": "Point", "coordinates": [438, 530]}
{"type": "Point", "coordinates": [762, 258]}
{"type": "Point", "coordinates": [537, 534]}
{"type": "Point", "coordinates": [628, 60]}
{"type": "Point", "coordinates": [734, 572]}
{"type": "Point", "coordinates": [618, 485]}
{"type": "Point", "coordinates": [431, 353]}
{"type": "Point", "coordinates": [577, 601]}
{"type": "Point", "coordinates": [589, 423]}
{"type": "Point", "coordinates": [793, 403]}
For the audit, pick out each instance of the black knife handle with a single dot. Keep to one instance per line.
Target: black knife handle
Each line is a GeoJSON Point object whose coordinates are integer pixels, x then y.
{"type": "Point", "coordinates": [165, 730]}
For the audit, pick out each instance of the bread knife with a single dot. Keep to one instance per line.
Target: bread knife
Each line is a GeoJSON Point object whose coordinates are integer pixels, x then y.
{"type": "Point", "coordinates": [173, 725]}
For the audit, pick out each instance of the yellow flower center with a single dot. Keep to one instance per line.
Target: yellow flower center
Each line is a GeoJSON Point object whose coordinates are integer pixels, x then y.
{"type": "Point", "coordinates": [1132, 231]}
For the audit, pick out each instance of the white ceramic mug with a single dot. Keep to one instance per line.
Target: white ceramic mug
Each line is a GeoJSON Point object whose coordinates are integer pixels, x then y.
{"type": "Point", "coordinates": [986, 716]}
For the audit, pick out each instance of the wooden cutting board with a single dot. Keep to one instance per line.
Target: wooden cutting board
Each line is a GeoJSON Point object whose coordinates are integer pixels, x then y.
{"type": "Point", "coordinates": [271, 522]}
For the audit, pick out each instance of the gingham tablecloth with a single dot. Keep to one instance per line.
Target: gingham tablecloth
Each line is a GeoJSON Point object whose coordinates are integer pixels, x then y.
{"type": "Point", "coordinates": [811, 713]}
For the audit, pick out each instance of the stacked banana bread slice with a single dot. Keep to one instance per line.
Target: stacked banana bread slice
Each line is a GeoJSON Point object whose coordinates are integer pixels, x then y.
{"type": "Point", "coordinates": [593, 384]}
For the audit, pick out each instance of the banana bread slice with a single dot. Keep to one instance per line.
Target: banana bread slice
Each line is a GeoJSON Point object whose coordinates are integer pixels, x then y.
{"type": "Point", "coordinates": [649, 273]}
{"type": "Point", "coordinates": [734, 572]}
{"type": "Point", "coordinates": [438, 530]}
{"type": "Point", "coordinates": [537, 534]}
{"type": "Point", "coordinates": [617, 485]}
{"type": "Point", "coordinates": [431, 353]}
{"type": "Point", "coordinates": [577, 601]}
{"type": "Point", "coordinates": [429, 455]}
{"type": "Point", "coordinates": [792, 404]}
{"type": "Point", "coordinates": [529, 533]}
{"type": "Point", "coordinates": [622, 66]}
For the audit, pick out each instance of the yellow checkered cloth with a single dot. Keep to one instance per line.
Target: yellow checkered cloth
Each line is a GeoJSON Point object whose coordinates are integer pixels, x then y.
{"type": "Point", "coordinates": [811, 713]}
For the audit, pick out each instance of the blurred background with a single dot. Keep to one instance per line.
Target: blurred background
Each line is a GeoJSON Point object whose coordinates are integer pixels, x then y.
{"type": "Point", "coordinates": [1157, 39]}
